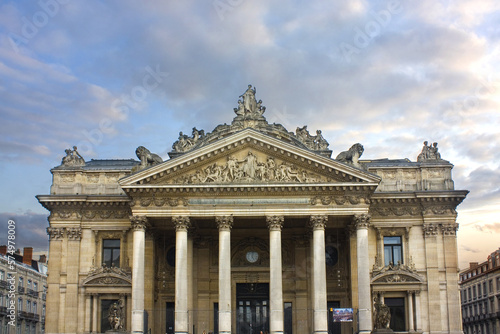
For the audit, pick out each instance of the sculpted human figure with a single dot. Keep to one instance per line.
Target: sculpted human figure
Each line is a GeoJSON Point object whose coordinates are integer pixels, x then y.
{"type": "Point", "coordinates": [249, 99]}
{"type": "Point", "coordinates": [250, 165]}
{"type": "Point", "coordinates": [429, 152]}
{"type": "Point", "coordinates": [72, 158]}
{"type": "Point", "coordinates": [319, 142]}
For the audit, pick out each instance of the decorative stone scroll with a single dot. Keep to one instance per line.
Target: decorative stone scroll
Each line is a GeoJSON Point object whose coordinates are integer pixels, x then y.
{"type": "Point", "coordinates": [275, 223]}
{"type": "Point", "coordinates": [56, 233]}
{"type": "Point", "coordinates": [250, 169]}
{"type": "Point", "coordinates": [224, 223]}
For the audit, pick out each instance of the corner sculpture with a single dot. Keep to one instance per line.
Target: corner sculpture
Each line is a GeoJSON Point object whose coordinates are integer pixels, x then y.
{"type": "Point", "coordinates": [250, 114]}
{"type": "Point", "coordinates": [72, 158]}
{"type": "Point", "coordinates": [147, 158]}
{"type": "Point", "coordinates": [352, 155]}
{"type": "Point", "coordinates": [429, 153]}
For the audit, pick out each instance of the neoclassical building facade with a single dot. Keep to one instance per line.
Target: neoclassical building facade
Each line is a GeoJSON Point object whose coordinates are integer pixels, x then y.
{"type": "Point", "coordinates": [252, 228]}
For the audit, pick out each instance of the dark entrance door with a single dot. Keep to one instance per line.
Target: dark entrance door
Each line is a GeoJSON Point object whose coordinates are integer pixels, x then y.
{"type": "Point", "coordinates": [252, 315]}
{"type": "Point", "coordinates": [333, 327]}
{"type": "Point", "coordinates": [170, 318]}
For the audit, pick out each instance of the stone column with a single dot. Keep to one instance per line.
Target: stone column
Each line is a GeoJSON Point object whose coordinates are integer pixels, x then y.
{"type": "Point", "coordinates": [181, 224]}
{"type": "Point", "coordinates": [418, 320]}
{"type": "Point", "coordinates": [95, 308]}
{"type": "Point", "coordinates": [380, 248]}
{"type": "Point", "coordinates": [361, 223]}
{"type": "Point", "coordinates": [224, 224]}
{"type": "Point", "coordinates": [275, 224]}
{"type": "Point", "coordinates": [411, 327]}
{"type": "Point", "coordinates": [88, 314]}
{"type": "Point", "coordinates": [431, 231]}
{"type": "Point", "coordinates": [139, 224]}
{"type": "Point", "coordinates": [320, 311]}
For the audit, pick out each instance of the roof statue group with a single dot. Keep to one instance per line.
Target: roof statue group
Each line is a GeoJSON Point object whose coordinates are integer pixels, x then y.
{"type": "Point", "coordinates": [250, 114]}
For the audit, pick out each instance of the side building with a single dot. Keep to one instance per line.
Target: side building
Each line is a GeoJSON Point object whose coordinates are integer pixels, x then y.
{"type": "Point", "coordinates": [29, 292]}
{"type": "Point", "coordinates": [480, 296]}
{"type": "Point", "coordinates": [252, 228]}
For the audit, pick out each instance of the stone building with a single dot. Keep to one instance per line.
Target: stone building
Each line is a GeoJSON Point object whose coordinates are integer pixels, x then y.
{"type": "Point", "coordinates": [480, 296]}
{"type": "Point", "coordinates": [23, 281]}
{"type": "Point", "coordinates": [253, 228]}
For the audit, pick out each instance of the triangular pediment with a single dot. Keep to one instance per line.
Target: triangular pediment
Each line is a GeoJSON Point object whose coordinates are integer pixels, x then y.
{"type": "Point", "coordinates": [249, 158]}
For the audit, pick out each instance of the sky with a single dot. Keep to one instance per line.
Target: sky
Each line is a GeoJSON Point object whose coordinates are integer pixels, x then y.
{"type": "Point", "coordinates": [109, 76]}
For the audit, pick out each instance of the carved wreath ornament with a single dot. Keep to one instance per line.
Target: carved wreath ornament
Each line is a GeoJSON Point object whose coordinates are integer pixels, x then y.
{"type": "Point", "coordinates": [249, 170]}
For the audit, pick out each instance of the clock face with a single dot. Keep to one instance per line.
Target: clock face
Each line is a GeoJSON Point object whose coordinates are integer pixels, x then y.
{"type": "Point", "coordinates": [252, 256]}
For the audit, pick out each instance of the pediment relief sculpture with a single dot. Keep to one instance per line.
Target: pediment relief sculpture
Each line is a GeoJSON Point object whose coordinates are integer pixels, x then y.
{"type": "Point", "coordinates": [249, 168]}
{"type": "Point", "coordinates": [104, 276]}
{"type": "Point", "coordinates": [398, 273]}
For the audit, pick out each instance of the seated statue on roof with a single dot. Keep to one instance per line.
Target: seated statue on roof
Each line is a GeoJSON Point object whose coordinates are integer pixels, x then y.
{"type": "Point", "coordinates": [72, 158]}
{"type": "Point", "coordinates": [147, 158]}
{"type": "Point", "coordinates": [352, 155]}
{"type": "Point", "coordinates": [429, 153]}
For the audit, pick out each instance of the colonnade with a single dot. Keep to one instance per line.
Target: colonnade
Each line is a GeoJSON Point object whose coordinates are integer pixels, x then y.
{"type": "Point", "coordinates": [275, 224]}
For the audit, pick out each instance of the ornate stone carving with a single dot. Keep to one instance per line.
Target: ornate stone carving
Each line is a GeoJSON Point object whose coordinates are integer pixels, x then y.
{"type": "Point", "coordinates": [340, 200]}
{"type": "Point", "coordinates": [249, 170]}
{"type": "Point", "coordinates": [139, 223]}
{"type": "Point", "coordinates": [224, 223]}
{"type": "Point", "coordinates": [429, 153]}
{"type": "Point", "coordinates": [74, 233]}
{"type": "Point", "coordinates": [147, 158]}
{"type": "Point", "coordinates": [250, 114]}
{"type": "Point", "coordinates": [55, 233]}
{"type": "Point", "coordinates": [92, 178]}
{"type": "Point", "coordinates": [361, 221]}
{"type": "Point", "coordinates": [318, 222]}
{"type": "Point", "coordinates": [430, 229]}
{"type": "Point", "coordinates": [275, 223]}
{"type": "Point", "coordinates": [352, 155]}
{"type": "Point", "coordinates": [382, 315]}
{"type": "Point", "coordinates": [72, 158]}
{"type": "Point", "coordinates": [181, 223]}
{"type": "Point", "coordinates": [449, 229]}
{"type": "Point", "coordinates": [316, 143]}
{"type": "Point", "coordinates": [116, 316]}
{"type": "Point", "coordinates": [440, 210]}
{"type": "Point", "coordinates": [396, 211]}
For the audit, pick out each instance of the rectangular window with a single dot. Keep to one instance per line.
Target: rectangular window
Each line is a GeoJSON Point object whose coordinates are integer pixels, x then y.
{"type": "Point", "coordinates": [474, 294]}
{"type": "Point", "coordinates": [111, 253]}
{"type": "Point", "coordinates": [490, 285]}
{"type": "Point", "coordinates": [485, 292]}
{"type": "Point", "coordinates": [2, 275]}
{"type": "Point", "coordinates": [21, 281]}
{"type": "Point", "coordinates": [397, 307]}
{"type": "Point", "coordinates": [29, 284]}
{"type": "Point", "coordinates": [393, 250]}
{"type": "Point", "coordinates": [28, 306]}
{"type": "Point", "coordinates": [479, 290]}
{"type": "Point", "coordinates": [288, 318]}
{"type": "Point", "coordinates": [20, 304]}
{"type": "Point", "coordinates": [35, 307]}
{"type": "Point", "coordinates": [498, 283]}
{"type": "Point", "coordinates": [35, 286]}
{"type": "Point", "coordinates": [469, 293]}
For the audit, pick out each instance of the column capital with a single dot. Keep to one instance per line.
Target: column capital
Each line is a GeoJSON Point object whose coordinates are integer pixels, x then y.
{"type": "Point", "coordinates": [139, 223]}
{"type": "Point", "coordinates": [181, 223]}
{"type": "Point", "coordinates": [318, 222]}
{"type": "Point", "coordinates": [361, 221]}
{"type": "Point", "coordinates": [430, 229]}
{"type": "Point", "coordinates": [449, 229]}
{"type": "Point", "coordinates": [56, 233]}
{"type": "Point", "coordinates": [74, 233]}
{"type": "Point", "coordinates": [275, 223]}
{"type": "Point", "coordinates": [224, 223]}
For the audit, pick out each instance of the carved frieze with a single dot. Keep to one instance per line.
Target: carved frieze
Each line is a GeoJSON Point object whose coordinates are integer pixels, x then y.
{"type": "Point", "coordinates": [159, 201]}
{"type": "Point", "coordinates": [396, 211]}
{"type": "Point", "coordinates": [440, 210]}
{"type": "Point", "coordinates": [340, 200]}
{"type": "Point", "coordinates": [108, 276]}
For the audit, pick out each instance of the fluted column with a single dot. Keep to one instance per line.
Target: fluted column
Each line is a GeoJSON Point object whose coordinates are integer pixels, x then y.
{"type": "Point", "coordinates": [320, 311]}
{"type": "Point", "coordinates": [275, 224]}
{"type": "Point", "coordinates": [361, 223]}
{"type": "Point", "coordinates": [224, 224]}
{"type": "Point", "coordinates": [139, 224]}
{"type": "Point", "coordinates": [181, 224]}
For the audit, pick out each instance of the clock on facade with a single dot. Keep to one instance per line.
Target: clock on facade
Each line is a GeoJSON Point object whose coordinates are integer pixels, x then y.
{"type": "Point", "coordinates": [252, 256]}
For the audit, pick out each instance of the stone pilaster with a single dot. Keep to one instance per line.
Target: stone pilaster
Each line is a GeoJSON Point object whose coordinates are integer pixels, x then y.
{"type": "Point", "coordinates": [275, 224]}
{"type": "Point", "coordinates": [431, 231]}
{"type": "Point", "coordinates": [181, 224]}
{"type": "Point", "coordinates": [449, 231]}
{"type": "Point", "coordinates": [361, 223]}
{"type": "Point", "coordinates": [224, 224]}
{"type": "Point", "coordinates": [139, 224]}
{"type": "Point", "coordinates": [56, 236]}
{"type": "Point", "coordinates": [320, 311]}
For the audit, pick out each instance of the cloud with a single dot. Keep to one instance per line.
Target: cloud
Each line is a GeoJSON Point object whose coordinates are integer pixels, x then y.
{"type": "Point", "coordinates": [469, 249]}
{"type": "Point", "coordinates": [30, 229]}
{"type": "Point", "coordinates": [490, 228]}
